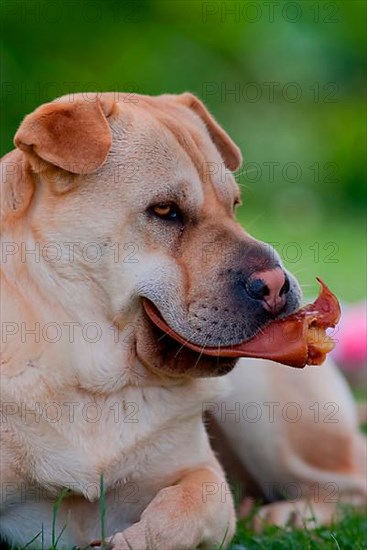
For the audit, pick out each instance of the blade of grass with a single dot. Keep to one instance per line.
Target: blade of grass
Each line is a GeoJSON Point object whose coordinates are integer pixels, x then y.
{"type": "Point", "coordinates": [32, 540]}
{"type": "Point", "coordinates": [223, 540]}
{"type": "Point", "coordinates": [102, 509]}
{"type": "Point", "coordinates": [55, 509]}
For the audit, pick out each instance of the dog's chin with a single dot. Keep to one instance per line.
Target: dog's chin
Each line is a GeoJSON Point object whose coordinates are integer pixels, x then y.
{"type": "Point", "coordinates": [158, 352]}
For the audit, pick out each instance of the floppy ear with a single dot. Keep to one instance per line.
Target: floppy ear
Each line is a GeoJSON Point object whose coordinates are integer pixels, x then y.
{"type": "Point", "coordinates": [72, 135]}
{"type": "Point", "coordinates": [229, 151]}
{"type": "Point", "coordinates": [16, 186]}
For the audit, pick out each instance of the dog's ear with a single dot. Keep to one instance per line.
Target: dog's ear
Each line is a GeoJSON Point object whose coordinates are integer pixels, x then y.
{"type": "Point", "coordinates": [229, 151]}
{"type": "Point", "coordinates": [73, 135]}
{"type": "Point", "coordinates": [17, 186]}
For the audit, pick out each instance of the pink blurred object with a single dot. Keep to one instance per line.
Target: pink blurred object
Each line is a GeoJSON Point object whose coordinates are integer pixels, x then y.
{"type": "Point", "coordinates": [350, 350]}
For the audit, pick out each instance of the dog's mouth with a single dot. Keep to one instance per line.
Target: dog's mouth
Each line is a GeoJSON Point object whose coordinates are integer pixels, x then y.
{"type": "Point", "coordinates": [296, 340]}
{"type": "Point", "coordinates": [164, 350]}
{"type": "Point", "coordinates": [219, 351]}
{"type": "Point", "coordinates": [262, 345]}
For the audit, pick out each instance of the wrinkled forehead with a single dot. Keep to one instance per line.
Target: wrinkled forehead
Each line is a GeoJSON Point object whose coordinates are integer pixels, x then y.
{"type": "Point", "coordinates": [170, 146]}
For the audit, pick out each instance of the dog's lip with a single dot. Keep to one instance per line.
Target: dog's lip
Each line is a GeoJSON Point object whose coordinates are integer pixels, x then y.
{"type": "Point", "coordinates": [257, 346]}
{"type": "Point", "coordinates": [283, 341]}
{"type": "Point", "coordinates": [157, 319]}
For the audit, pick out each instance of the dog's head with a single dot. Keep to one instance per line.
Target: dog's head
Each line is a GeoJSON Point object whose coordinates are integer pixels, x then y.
{"type": "Point", "coordinates": [144, 189]}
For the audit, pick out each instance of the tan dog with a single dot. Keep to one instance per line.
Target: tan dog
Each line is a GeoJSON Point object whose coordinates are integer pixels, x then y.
{"type": "Point", "coordinates": [107, 201]}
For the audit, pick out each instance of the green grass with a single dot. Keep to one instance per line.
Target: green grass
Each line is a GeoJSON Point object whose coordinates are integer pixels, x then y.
{"type": "Point", "coordinates": [348, 534]}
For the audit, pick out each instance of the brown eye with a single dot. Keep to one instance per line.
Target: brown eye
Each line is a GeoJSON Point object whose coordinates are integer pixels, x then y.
{"type": "Point", "coordinates": [166, 211]}
{"type": "Point", "coordinates": [162, 210]}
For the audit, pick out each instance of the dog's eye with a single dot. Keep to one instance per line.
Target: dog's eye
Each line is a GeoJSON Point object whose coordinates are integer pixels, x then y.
{"type": "Point", "coordinates": [236, 203]}
{"type": "Point", "coordinates": [166, 211]}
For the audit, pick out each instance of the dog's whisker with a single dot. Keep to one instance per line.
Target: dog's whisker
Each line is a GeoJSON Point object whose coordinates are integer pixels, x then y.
{"type": "Point", "coordinates": [253, 220]}
{"type": "Point", "coordinates": [300, 270]}
{"type": "Point", "coordinates": [183, 345]}
{"type": "Point", "coordinates": [201, 353]}
{"type": "Point", "coordinates": [165, 334]}
{"type": "Point", "coordinates": [244, 185]}
{"type": "Point", "coordinates": [245, 171]}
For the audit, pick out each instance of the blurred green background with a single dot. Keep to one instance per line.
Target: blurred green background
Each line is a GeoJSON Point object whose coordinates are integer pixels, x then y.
{"type": "Point", "coordinates": [286, 80]}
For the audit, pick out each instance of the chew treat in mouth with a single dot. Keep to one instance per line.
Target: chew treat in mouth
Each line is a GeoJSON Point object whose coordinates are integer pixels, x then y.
{"type": "Point", "coordinates": [296, 341]}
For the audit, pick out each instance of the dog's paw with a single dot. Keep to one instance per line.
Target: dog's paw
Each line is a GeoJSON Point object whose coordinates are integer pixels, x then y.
{"type": "Point", "coordinates": [141, 536]}
{"type": "Point", "coordinates": [120, 542]}
{"type": "Point", "coordinates": [299, 514]}
{"type": "Point", "coordinates": [282, 514]}
{"type": "Point", "coordinates": [116, 542]}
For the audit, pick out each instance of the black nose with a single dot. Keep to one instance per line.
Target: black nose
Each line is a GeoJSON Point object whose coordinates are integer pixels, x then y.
{"type": "Point", "coordinates": [270, 287]}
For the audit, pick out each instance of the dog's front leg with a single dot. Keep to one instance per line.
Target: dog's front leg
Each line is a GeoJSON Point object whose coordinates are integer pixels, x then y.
{"type": "Point", "coordinates": [197, 510]}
